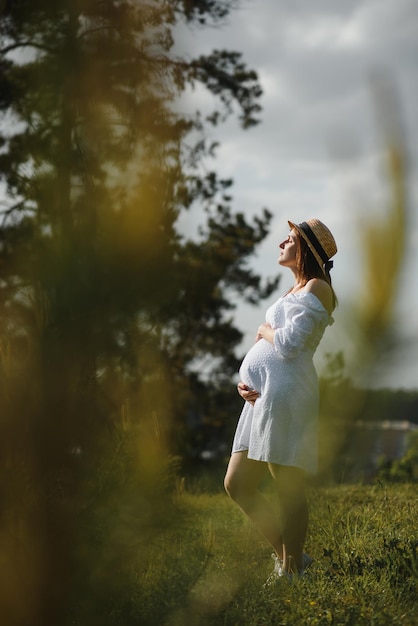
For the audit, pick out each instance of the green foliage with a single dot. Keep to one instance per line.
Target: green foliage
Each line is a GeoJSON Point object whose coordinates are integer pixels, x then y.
{"type": "Point", "coordinates": [126, 508]}
{"type": "Point", "coordinates": [391, 404]}
{"type": "Point", "coordinates": [345, 410]}
{"type": "Point", "coordinates": [405, 469]}
{"type": "Point", "coordinates": [104, 307]}
{"type": "Point", "coordinates": [340, 405]}
{"type": "Point", "coordinates": [382, 240]}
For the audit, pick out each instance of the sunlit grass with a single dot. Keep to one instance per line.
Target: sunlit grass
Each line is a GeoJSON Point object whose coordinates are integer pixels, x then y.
{"type": "Point", "coordinates": [209, 565]}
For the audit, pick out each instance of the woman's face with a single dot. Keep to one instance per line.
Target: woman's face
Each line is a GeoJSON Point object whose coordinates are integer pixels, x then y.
{"type": "Point", "coordinates": [288, 250]}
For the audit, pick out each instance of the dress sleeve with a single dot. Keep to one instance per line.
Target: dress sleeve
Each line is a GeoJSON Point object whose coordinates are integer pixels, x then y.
{"type": "Point", "coordinates": [299, 331]}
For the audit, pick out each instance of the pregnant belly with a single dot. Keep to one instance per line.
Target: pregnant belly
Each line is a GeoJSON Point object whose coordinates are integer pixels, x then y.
{"type": "Point", "coordinates": [259, 360]}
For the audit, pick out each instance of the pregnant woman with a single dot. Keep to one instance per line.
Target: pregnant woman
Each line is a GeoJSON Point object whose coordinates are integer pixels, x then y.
{"type": "Point", "coordinates": [277, 429]}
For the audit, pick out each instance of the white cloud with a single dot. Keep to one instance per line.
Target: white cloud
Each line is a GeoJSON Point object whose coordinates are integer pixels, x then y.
{"type": "Point", "coordinates": [325, 33]}
{"type": "Point", "coordinates": [318, 151]}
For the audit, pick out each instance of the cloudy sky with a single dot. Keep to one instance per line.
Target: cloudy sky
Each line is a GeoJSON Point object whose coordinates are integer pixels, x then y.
{"type": "Point", "coordinates": [319, 149]}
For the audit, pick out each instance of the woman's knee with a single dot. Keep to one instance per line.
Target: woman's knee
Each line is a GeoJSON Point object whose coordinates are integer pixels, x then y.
{"type": "Point", "coordinates": [234, 481]}
{"type": "Point", "coordinates": [289, 482]}
{"type": "Point", "coordinates": [243, 476]}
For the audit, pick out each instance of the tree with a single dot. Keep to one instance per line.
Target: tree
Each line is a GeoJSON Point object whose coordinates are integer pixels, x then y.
{"type": "Point", "coordinates": [104, 306]}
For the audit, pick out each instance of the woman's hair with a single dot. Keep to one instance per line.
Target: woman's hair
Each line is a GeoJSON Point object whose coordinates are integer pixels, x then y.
{"type": "Point", "coordinates": [307, 267]}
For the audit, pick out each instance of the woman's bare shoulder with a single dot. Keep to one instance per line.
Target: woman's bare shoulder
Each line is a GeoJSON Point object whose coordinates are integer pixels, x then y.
{"type": "Point", "coordinates": [322, 290]}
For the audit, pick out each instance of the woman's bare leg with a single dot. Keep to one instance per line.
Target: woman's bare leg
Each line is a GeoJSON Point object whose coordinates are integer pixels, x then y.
{"type": "Point", "coordinates": [242, 481]}
{"type": "Point", "coordinates": [290, 487]}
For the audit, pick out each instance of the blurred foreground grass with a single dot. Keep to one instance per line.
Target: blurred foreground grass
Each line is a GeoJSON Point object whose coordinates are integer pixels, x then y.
{"type": "Point", "coordinates": [208, 565]}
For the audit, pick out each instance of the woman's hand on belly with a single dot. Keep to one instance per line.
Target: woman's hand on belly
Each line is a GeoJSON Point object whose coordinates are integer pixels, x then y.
{"type": "Point", "coordinates": [248, 394]}
{"type": "Point", "coordinates": [265, 331]}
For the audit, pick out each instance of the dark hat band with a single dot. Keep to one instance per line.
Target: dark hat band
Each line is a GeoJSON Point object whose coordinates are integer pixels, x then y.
{"type": "Point", "coordinates": [314, 241]}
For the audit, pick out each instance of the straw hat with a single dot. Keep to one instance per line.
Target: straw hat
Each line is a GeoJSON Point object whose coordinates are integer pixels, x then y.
{"type": "Point", "coordinates": [319, 239]}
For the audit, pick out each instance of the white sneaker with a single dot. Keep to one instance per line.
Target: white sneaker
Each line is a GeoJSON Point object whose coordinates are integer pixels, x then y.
{"type": "Point", "coordinates": [277, 572]}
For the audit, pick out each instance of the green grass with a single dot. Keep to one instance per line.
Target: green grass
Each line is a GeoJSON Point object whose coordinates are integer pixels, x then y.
{"type": "Point", "coordinates": [208, 565]}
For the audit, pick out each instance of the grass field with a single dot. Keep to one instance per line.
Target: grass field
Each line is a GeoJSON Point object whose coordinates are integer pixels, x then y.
{"type": "Point", "coordinates": [207, 565]}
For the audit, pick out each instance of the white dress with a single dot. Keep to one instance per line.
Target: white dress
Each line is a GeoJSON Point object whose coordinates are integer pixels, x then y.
{"type": "Point", "coordinates": [281, 427]}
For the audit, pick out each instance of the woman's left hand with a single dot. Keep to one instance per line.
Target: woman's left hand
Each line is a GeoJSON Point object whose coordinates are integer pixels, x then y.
{"type": "Point", "coordinates": [249, 395]}
{"type": "Point", "coordinates": [265, 331]}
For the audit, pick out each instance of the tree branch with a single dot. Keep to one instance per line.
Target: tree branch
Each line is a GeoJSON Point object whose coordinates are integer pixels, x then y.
{"type": "Point", "coordinates": [25, 44]}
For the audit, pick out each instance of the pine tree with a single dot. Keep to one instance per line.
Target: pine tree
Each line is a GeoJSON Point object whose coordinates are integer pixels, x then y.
{"type": "Point", "coordinates": [104, 305]}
